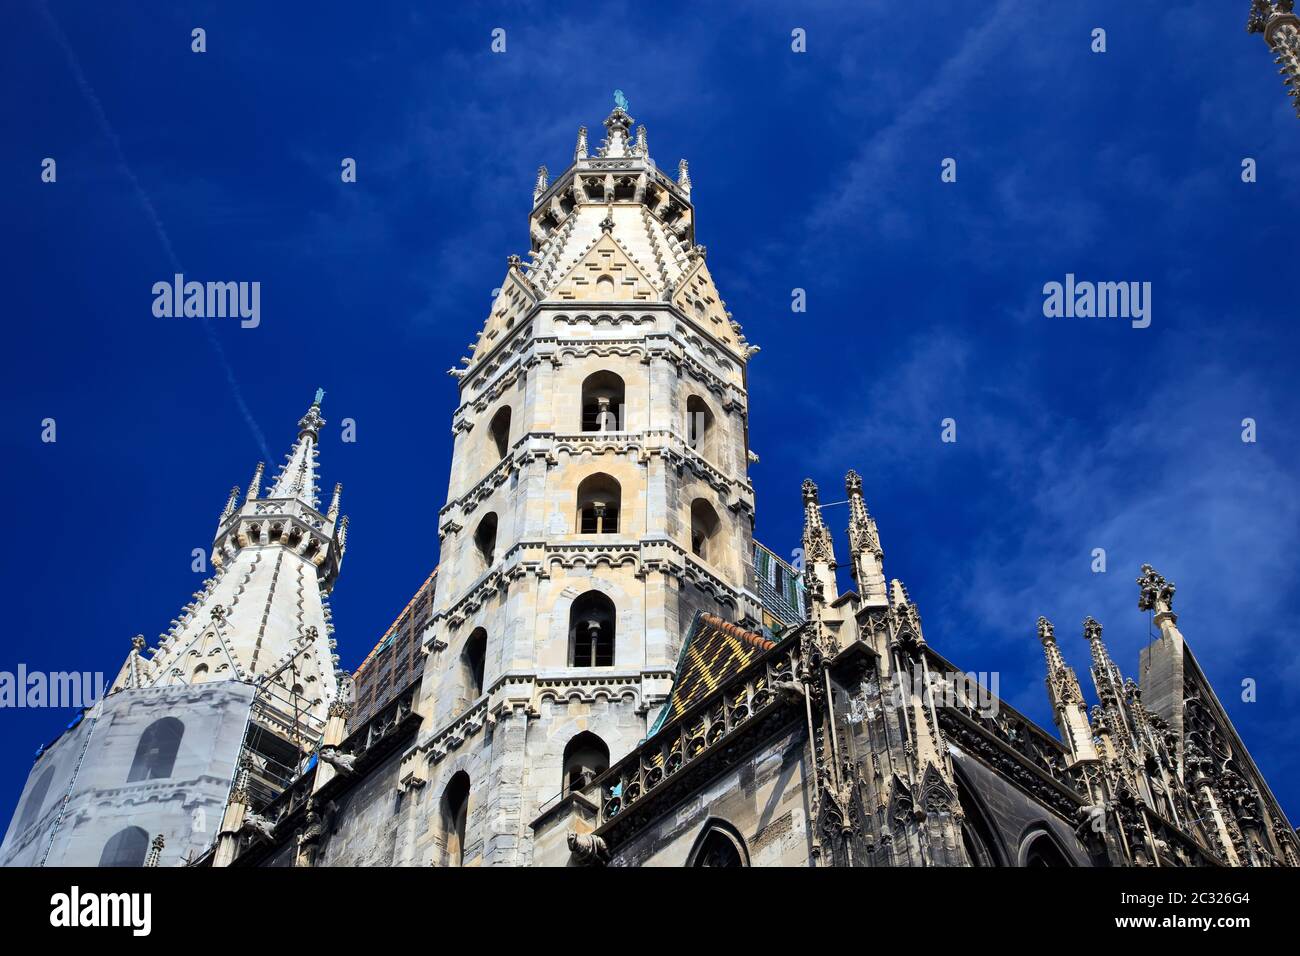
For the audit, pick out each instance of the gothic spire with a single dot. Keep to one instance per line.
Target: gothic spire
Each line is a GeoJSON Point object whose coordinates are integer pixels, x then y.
{"type": "Point", "coordinates": [580, 150]}
{"type": "Point", "coordinates": [1105, 673]}
{"type": "Point", "coordinates": [1277, 21]}
{"type": "Point", "coordinates": [255, 486]}
{"type": "Point", "coordinates": [617, 126]}
{"type": "Point", "coordinates": [297, 478]}
{"type": "Point", "coordinates": [818, 549]}
{"type": "Point", "coordinates": [864, 546]}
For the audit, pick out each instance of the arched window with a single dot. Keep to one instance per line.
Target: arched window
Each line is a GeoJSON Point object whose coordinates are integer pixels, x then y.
{"type": "Point", "coordinates": [200, 674]}
{"type": "Point", "coordinates": [704, 528]}
{"type": "Point", "coordinates": [605, 287]}
{"type": "Point", "coordinates": [485, 539]}
{"type": "Point", "coordinates": [1040, 850]}
{"type": "Point", "coordinates": [599, 498]}
{"type": "Point", "coordinates": [126, 847]}
{"type": "Point", "coordinates": [699, 425]}
{"type": "Point", "coordinates": [455, 815]}
{"type": "Point", "coordinates": [602, 403]}
{"type": "Point", "coordinates": [719, 845]}
{"type": "Point", "coordinates": [591, 631]}
{"type": "Point", "coordinates": [472, 661]}
{"type": "Point", "coordinates": [585, 758]}
{"type": "Point", "coordinates": [155, 755]}
{"type": "Point", "coordinates": [500, 431]}
{"type": "Point", "coordinates": [35, 799]}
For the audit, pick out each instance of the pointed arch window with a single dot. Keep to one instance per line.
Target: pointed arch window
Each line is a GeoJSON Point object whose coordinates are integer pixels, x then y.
{"type": "Point", "coordinates": [719, 845]}
{"type": "Point", "coordinates": [1040, 850]}
{"type": "Point", "coordinates": [499, 431]}
{"type": "Point", "coordinates": [127, 847]}
{"type": "Point", "coordinates": [586, 757]}
{"type": "Point", "coordinates": [454, 814]}
{"type": "Point", "coordinates": [699, 425]}
{"type": "Point", "coordinates": [591, 631]}
{"type": "Point", "coordinates": [603, 395]}
{"type": "Point", "coordinates": [155, 754]}
{"type": "Point", "coordinates": [599, 500]}
{"type": "Point", "coordinates": [485, 539]}
{"type": "Point", "coordinates": [704, 529]}
{"type": "Point", "coordinates": [473, 660]}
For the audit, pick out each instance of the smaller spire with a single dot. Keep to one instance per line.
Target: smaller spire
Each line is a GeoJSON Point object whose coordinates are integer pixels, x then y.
{"type": "Point", "coordinates": [155, 851]}
{"type": "Point", "coordinates": [617, 126]}
{"type": "Point", "coordinates": [297, 478]}
{"type": "Point", "coordinates": [543, 180]}
{"type": "Point", "coordinates": [231, 502]}
{"type": "Point", "coordinates": [580, 151]}
{"type": "Point", "coordinates": [334, 503]}
{"type": "Point", "coordinates": [642, 149]}
{"type": "Point", "coordinates": [864, 545]}
{"type": "Point", "coordinates": [684, 176]}
{"type": "Point", "coordinates": [255, 486]}
{"type": "Point", "coordinates": [818, 548]}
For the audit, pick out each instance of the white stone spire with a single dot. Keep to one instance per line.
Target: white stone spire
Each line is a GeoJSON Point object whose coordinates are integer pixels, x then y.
{"type": "Point", "coordinates": [297, 478]}
{"type": "Point", "coordinates": [261, 618]}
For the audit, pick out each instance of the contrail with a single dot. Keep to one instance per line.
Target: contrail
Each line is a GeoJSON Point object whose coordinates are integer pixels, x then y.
{"type": "Point", "coordinates": [106, 128]}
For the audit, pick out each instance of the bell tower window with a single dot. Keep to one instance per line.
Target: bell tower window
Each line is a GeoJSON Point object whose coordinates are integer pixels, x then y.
{"type": "Point", "coordinates": [602, 403]}
{"type": "Point", "coordinates": [599, 499]}
{"type": "Point", "coordinates": [591, 631]}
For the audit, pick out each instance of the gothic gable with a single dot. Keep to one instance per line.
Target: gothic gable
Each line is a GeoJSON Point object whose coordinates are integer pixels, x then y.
{"type": "Point", "coordinates": [605, 273]}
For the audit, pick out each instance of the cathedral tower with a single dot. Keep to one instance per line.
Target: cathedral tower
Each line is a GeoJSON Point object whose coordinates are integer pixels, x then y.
{"type": "Point", "coordinates": [243, 678]}
{"type": "Point", "coordinates": [1277, 21]}
{"type": "Point", "coordinates": [599, 499]}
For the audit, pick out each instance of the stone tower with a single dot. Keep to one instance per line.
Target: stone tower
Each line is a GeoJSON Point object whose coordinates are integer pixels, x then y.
{"type": "Point", "coordinates": [263, 617]}
{"type": "Point", "coordinates": [244, 677]}
{"type": "Point", "coordinates": [599, 499]}
{"type": "Point", "coordinates": [1277, 21]}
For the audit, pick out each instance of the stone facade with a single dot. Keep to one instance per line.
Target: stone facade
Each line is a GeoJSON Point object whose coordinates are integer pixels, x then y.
{"type": "Point", "coordinates": [142, 763]}
{"type": "Point", "coordinates": [609, 670]}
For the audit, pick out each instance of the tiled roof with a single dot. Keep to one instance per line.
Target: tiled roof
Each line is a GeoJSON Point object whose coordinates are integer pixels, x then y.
{"type": "Point", "coordinates": [715, 650]}
{"type": "Point", "coordinates": [394, 662]}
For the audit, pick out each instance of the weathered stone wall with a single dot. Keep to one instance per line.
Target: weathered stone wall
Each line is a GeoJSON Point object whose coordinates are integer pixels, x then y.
{"type": "Point", "coordinates": [1015, 817]}
{"type": "Point", "coordinates": [762, 797]}
{"type": "Point", "coordinates": [185, 807]}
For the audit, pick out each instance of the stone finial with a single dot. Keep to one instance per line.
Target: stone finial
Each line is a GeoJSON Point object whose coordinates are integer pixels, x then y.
{"type": "Point", "coordinates": [1154, 592]}
{"type": "Point", "coordinates": [1046, 632]}
{"type": "Point", "coordinates": [580, 151]}
{"type": "Point", "coordinates": [232, 500]}
{"type": "Point", "coordinates": [1091, 629]}
{"type": "Point", "coordinates": [255, 486]}
{"type": "Point", "coordinates": [642, 146]}
{"type": "Point", "coordinates": [543, 181]}
{"type": "Point", "coordinates": [684, 176]}
{"type": "Point", "coordinates": [334, 502]}
{"type": "Point", "coordinates": [138, 643]}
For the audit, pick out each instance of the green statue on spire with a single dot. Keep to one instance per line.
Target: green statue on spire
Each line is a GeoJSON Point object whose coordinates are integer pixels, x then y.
{"type": "Point", "coordinates": [620, 101]}
{"type": "Point", "coordinates": [320, 395]}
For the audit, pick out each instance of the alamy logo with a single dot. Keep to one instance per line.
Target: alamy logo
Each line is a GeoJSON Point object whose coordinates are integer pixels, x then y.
{"type": "Point", "coordinates": [209, 300]}
{"type": "Point", "coordinates": [50, 689]}
{"type": "Point", "coordinates": [1101, 300]}
{"type": "Point", "coordinates": [75, 908]}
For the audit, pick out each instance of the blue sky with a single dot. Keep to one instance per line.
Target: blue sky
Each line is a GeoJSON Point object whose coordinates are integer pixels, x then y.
{"type": "Point", "coordinates": [817, 171]}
